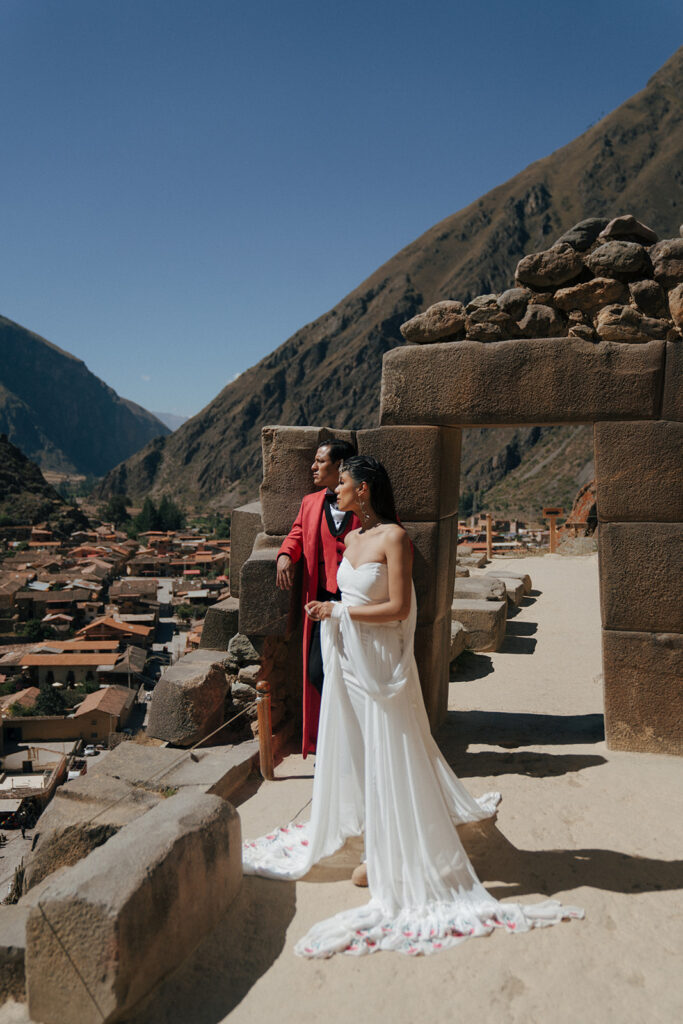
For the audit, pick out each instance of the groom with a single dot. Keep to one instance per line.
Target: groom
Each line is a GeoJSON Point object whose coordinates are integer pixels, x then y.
{"type": "Point", "coordinates": [318, 535]}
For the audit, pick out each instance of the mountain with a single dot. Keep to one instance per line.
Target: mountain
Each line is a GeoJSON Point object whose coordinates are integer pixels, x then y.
{"type": "Point", "coordinates": [27, 498]}
{"type": "Point", "coordinates": [59, 413]}
{"type": "Point", "coordinates": [171, 419]}
{"type": "Point", "coordinates": [328, 373]}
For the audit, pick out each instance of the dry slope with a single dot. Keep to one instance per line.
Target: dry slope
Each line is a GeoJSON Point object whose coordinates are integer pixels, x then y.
{"type": "Point", "coordinates": [329, 371]}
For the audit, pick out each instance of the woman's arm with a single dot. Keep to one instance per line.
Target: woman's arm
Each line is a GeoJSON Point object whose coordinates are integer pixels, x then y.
{"type": "Point", "coordinates": [399, 555]}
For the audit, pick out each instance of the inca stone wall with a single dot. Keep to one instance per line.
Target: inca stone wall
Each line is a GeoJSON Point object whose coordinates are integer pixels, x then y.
{"type": "Point", "coordinates": [592, 332]}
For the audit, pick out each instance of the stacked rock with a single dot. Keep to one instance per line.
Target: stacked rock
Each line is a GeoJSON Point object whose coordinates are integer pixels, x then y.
{"type": "Point", "coordinates": [601, 281]}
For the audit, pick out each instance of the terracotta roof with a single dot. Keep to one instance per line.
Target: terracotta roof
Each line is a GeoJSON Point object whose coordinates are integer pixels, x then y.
{"type": "Point", "coordinates": [94, 658]}
{"type": "Point", "coordinates": [26, 698]}
{"type": "Point", "coordinates": [123, 627]}
{"type": "Point", "coordinates": [84, 646]}
{"type": "Point", "coordinates": [112, 700]}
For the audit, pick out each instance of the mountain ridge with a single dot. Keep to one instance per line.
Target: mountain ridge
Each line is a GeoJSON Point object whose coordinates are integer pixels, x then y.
{"type": "Point", "coordinates": [328, 372]}
{"type": "Point", "coordinates": [60, 414]}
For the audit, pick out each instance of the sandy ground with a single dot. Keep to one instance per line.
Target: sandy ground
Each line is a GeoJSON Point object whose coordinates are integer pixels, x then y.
{"type": "Point", "coordinates": [577, 822]}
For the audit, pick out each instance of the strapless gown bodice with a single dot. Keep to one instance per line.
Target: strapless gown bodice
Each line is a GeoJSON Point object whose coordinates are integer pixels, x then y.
{"type": "Point", "coordinates": [366, 583]}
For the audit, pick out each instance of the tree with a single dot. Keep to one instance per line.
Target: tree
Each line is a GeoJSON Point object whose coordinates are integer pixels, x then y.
{"type": "Point", "coordinates": [116, 510]}
{"type": "Point", "coordinates": [148, 517]}
{"type": "Point", "coordinates": [184, 612]}
{"type": "Point", "coordinates": [171, 516]}
{"type": "Point", "coordinates": [49, 701]}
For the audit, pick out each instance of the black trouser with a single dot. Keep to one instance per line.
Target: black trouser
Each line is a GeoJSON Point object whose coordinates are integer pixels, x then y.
{"type": "Point", "coordinates": [316, 675]}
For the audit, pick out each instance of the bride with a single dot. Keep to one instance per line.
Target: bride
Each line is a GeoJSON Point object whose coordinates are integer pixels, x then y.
{"type": "Point", "coordinates": [378, 771]}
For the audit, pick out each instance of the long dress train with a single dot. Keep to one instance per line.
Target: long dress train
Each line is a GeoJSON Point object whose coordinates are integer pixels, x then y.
{"type": "Point", "coordinates": [379, 771]}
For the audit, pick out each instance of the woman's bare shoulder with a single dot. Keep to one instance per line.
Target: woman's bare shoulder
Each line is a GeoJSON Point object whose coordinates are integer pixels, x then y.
{"type": "Point", "coordinates": [395, 536]}
{"type": "Point", "coordinates": [351, 537]}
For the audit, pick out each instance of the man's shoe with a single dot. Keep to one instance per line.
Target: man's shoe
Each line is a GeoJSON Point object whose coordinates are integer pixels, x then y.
{"type": "Point", "coordinates": [360, 876]}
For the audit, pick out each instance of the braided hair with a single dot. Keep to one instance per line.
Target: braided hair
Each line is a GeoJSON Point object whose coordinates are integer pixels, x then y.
{"type": "Point", "coordinates": [366, 469]}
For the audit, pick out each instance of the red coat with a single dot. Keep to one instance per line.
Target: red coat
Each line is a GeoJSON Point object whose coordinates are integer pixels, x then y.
{"type": "Point", "coordinates": [309, 531]}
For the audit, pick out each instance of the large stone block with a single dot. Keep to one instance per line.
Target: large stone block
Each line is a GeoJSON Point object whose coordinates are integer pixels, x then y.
{"type": "Point", "coordinates": [544, 380]}
{"type": "Point", "coordinates": [481, 588]}
{"type": "Point", "coordinates": [484, 622]}
{"type": "Point", "coordinates": [434, 551]}
{"type": "Point", "coordinates": [109, 929]}
{"type": "Point", "coordinates": [639, 471]}
{"type": "Point", "coordinates": [514, 586]}
{"type": "Point", "coordinates": [423, 464]}
{"type": "Point", "coordinates": [245, 523]}
{"type": "Point", "coordinates": [432, 655]}
{"type": "Point", "coordinates": [188, 702]}
{"type": "Point", "coordinates": [672, 398]}
{"type": "Point", "coordinates": [640, 576]}
{"type": "Point", "coordinates": [264, 609]}
{"type": "Point", "coordinates": [457, 640]}
{"type": "Point", "coordinates": [643, 691]}
{"type": "Point", "coordinates": [513, 574]}
{"type": "Point", "coordinates": [287, 459]}
{"type": "Point", "coordinates": [220, 625]}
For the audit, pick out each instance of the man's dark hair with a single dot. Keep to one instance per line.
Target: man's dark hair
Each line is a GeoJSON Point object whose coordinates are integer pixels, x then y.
{"type": "Point", "coordinates": [338, 449]}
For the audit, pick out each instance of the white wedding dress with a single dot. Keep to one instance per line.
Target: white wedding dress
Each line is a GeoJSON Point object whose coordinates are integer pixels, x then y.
{"type": "Point", "coordinates": [379, 772]}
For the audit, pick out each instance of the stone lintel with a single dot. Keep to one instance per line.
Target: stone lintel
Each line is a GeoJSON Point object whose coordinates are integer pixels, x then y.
{"type": "Point", "coordinates": [507, 383]}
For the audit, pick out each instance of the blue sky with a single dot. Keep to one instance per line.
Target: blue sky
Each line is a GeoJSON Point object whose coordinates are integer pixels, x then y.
{"type": "Point", "coordinates": [185, 183]}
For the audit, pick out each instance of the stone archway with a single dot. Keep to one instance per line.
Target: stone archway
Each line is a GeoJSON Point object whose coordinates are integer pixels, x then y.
{"type": "Point", "coordinates": [629, 393]}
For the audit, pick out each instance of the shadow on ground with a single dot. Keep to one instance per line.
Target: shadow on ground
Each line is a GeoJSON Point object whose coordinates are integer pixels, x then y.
{"type": "Point", "coordinates": [524, 872]}
{"type": "Point", "coordinates": [513, 731]}
{"type": "Point", "coordinates": [229, 961]}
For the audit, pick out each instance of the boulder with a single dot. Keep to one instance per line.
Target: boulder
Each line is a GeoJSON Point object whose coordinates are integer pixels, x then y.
{"type": "Point", "coordinates": [441, 321]}
{"type": "Point", "coordinates": [457, 640]}
{"type": "Point", "coordinates": [585, 332]}
{"type": "Point", "coordinates": [481, 588]}
{"type": "Point", "coordinates": [649, 297]}
{"type": "Point", "coordinates": [245, 523]}
{"type": "Point", "coordinates": [511, 574]}
{"type": "Point", "coordinates": [667, 261]}
{"type": "Point", "coordinates": [542, 322]}
{"type": "Point", "coordinates": [590, 296]}
{"type": "Point", "coordinates": [131, 912]}
{"type": "Point", "coordinates": [489, 323]}
{"type": "Point", "coordinates": [514, 302]}
{"type": "Point", "coordinates": [583, 234]}
{"type": "Point", "coordinates": [243, 650]}
{"type": "Point", "coordinates": [488, 301]}
{"type": "Point", "coordinates": [187, 703]}
{"type": "Point", "coordinates": [551, 268]}
{"type": "Point", "coordinates": [220, 624]}
{"type": "Point", "coordinates": [461, 571]}
{"type": "Point", "coordinates": [676, 305]}
{"type": "Point", "coordinates": [514, 588]}
{"type": "Point", "coordinates": [624, 323]}
{"type": "Point", "coordinates": [626, 228]}
{"type": "Point", "coordinates": [484, 622]}
{"type": "Point", "coordinates": [626, 261]}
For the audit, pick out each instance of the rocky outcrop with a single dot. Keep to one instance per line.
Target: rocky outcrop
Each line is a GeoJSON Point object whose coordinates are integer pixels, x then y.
{"type": "Point", "coordinates": [26, 496]}
{"type": "Point", "coordinates": [59, 413]}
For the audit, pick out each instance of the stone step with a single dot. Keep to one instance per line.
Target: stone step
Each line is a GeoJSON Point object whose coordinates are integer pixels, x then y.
{"type": "Point", "coordinates": [484, 622]}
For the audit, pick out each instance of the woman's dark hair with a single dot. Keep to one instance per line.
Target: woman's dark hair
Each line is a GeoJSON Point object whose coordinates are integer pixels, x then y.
{"type": "Point", "coordinates": [337, 449]}
{"type": "Point", "coordinates": [366, 469]}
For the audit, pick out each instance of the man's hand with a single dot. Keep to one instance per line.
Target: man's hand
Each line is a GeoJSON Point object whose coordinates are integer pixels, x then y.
{"type": "Point", "coordinates": [285, 572]}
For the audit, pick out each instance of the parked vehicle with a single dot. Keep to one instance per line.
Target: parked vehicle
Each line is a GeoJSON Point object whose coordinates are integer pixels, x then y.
{"type": "Point", "coordinates": [91, 750]}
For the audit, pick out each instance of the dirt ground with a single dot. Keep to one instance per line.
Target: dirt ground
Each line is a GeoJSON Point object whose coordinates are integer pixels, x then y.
{"type": "Point", "coordinates": [577, 822]}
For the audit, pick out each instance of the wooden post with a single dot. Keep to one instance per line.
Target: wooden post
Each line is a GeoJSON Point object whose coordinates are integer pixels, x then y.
{"type": "Point", "coordinates": [551, 514]}
{"type": "Point", "coordinates": [489, 537]}
{"type": "Point", "coordinates": [265, 730]}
